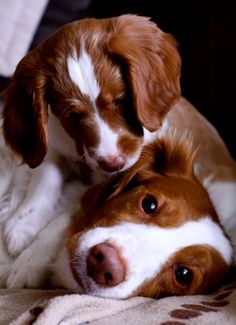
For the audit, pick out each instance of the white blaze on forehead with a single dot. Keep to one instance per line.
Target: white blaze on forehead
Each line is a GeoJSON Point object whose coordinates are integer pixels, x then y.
{"type": "Point", "coordinates": [81, 72]}
{"type": "Point", "coordinates": [146, 248]}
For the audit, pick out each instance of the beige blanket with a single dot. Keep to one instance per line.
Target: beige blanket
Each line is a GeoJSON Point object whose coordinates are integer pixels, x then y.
{"type": "Point", "coordinates": [40, 307]}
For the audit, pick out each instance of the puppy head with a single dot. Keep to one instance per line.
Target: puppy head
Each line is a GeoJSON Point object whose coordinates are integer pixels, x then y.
{"type": "Point", "coordinates": [105, 81]}
{"type": "Point", "coordinates": [152, 232]}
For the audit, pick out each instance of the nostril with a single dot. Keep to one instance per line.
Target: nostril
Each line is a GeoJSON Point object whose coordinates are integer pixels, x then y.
{"type": "Point", "coordinates": [108, 277]}
{"type": "Point", "coordinates": [98, 257]}
{"type": "Point", "coordinates": [112, 164]}
{"type": "Point", "coordinates": [105, 266]}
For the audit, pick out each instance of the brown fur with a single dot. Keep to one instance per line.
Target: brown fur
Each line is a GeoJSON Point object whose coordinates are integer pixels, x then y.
{"type": "Point", "coordinates": [201, 260]}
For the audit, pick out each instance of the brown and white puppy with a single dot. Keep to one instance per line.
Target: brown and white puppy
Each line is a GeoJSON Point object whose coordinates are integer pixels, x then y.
{"type": "Point", "coordinates": [152, 231]}
{"type": "Point", "coordinates": [94, 93]}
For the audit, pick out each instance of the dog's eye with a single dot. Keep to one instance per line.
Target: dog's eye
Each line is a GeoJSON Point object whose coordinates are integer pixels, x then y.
{"type": "Point", "coordinates": [149, 204]}
{"type": "Point", "coordinates": [72, 116]}
{"type": "Point", "coordinates": [183, 275]}
{"type": "Point", "coordinates": [118, 102]}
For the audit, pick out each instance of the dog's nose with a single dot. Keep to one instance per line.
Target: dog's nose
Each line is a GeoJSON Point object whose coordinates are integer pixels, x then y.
{"type": "Point", "coordinates": [113, 163]}
{"type": "Point", "coordinates": [105, 266]}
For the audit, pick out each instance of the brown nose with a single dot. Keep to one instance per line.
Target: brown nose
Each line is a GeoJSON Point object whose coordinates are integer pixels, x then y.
{"type": "Point", "coordinates": [105, 266]}
{"type": "Point", "coordinates": [112, 164]}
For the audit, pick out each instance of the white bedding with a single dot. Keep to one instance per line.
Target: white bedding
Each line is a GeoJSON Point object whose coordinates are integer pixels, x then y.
{"type": "Point", "coordinates": [19, 20]}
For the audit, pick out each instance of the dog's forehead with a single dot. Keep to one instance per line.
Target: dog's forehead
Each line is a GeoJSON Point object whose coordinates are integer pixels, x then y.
{"type": "Point", "coordinates": [178, 199]}
{"type": "Point", "coordinates": [92, 71]}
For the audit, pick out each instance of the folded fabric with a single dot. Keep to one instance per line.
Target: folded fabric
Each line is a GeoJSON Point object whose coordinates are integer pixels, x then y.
{"type": "Point", "coordinates": [18, 23]}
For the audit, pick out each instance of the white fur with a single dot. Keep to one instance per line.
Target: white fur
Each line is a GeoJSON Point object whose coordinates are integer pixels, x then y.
{"type": "Point", "coordinates": [15, 192]}
{"type": "Point", "coordinates": [7, 166]}
{"type": "Point", "coordinates": [31, 267]}
{"type": "Point", "coordinates": [65, 146]}
{"type": "Point", "coordinates": [150, 136]}
{"type": "Point", "coordinates": [223, 196]}
{"type": "Point", "coordinates": [108, 140]}
{"type": "Point", "coordinates": [61, 275]}
{"type": "Point", "coordinates": [137, 242]}
{"type": "Point", "coordinates": [82, 74]}
{"type": "Point", "coordinates": [37, 208]}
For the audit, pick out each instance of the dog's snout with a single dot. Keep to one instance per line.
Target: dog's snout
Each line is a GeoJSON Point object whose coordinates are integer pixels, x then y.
{"type": "Point", "coordinates": [105, 266]}
{"type": "Point", "coordinates": [113, 163]}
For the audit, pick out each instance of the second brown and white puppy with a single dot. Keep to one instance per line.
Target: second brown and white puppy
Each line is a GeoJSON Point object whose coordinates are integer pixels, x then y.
{"type": "Point", "coordinates": [151, 232]}
{"type": "Point", "coordinates": [93, 93]}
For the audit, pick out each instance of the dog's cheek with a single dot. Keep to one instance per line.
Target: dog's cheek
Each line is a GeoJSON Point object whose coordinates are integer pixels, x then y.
{"type": "Point", "coordinates": [153, 288]}
{"type": "Point", "coordinates": [130, 145]}
{"type": "Point", "coordinates": [84, 132]}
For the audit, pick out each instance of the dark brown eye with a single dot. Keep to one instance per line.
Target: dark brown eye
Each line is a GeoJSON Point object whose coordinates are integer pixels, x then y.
{"type": "Point", "coordinates": [73, 116]}
{"type": "Point", "coordinates": [183, 275]}
{"type": "Point", "coordinates": [149, 204]}
{"type": "Point", "coordinates": [118, 102]}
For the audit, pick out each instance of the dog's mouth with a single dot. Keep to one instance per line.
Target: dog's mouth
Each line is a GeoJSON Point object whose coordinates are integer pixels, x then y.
{"type": "Point", "coordinates": [105, 261]}
{"type": "Point", "coordinates": [98, 265]}
{"type": "Point", "coordinates": [112, 163]}
{"type": "Point", "coordinates": [116, 158]}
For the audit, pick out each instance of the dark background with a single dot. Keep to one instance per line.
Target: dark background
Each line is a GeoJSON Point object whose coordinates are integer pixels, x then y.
{"type": "Point", "coordinates": [206, 34]}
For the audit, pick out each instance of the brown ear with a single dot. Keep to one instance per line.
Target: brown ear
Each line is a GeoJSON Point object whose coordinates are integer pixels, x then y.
{"type": "Point", "coordinates": [172, 154]}
{"type": "Point", "coordinates": [153, 66]}
{"type": "Point", "coordinates": [25, 112]}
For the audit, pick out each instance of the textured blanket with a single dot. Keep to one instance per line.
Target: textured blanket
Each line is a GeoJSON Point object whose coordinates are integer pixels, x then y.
{"type": "Point", "coordinates": [58, 307]}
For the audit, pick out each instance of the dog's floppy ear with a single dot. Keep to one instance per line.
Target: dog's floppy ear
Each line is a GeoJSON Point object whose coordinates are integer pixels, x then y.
{"type": "Point", "coordinates": [153, 66]}
{"type": "Point", "coordinates": [25, 111]}
{"type": "Point", "coordinates": [172, 154]}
